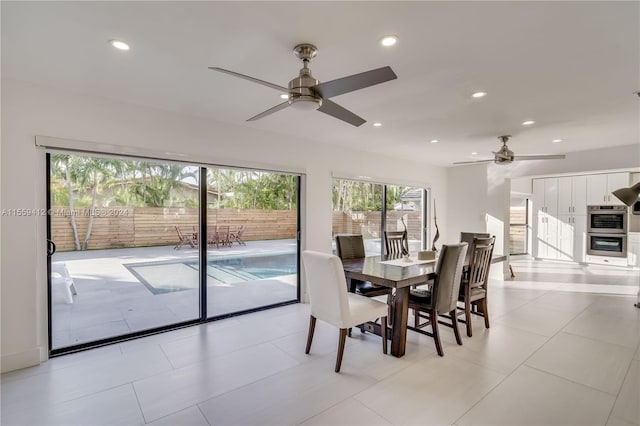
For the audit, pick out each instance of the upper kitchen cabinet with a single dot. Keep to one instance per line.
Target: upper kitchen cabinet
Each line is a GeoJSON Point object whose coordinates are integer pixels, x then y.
{"type": "Point", "coordinates": [600, 187]}
{"type": "Point", "coordinates": [572, 195]}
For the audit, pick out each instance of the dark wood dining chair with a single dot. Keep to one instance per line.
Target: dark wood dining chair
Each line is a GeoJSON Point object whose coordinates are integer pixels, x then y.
{"type": "Point", "coordinates": [442, 296]}
{"type": "Point", "coordinates": [473, 289]}
{"type": "Point", "coordinates": [467, 237]}
{"type": "Point", "coordinates": [331, 302]}
{"type": "Point", "coordinates": [396, 243]}
{"type": "Point", "coordinates": [352, 247]}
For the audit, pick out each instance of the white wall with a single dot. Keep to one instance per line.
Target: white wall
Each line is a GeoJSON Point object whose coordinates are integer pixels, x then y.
{"type": "Point", "coordinates": [29, 110]}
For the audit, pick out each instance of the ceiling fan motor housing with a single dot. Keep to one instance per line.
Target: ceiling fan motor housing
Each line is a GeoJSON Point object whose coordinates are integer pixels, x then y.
{"type": "Point", "coordinates": [300, 94]}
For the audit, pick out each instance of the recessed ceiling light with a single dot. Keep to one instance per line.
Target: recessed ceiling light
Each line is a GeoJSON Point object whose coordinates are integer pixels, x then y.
{"type": "Point", "coordinates": [376, 124]}
{"type": "Point", "coordinates": [435, 141]}
{"type": "Point", "coordinates": [479, 95]}
{"type": "Point", "coordinates": [388, 41]}
{"type": "Point", "coordinates": [474, 153]}
{"type": "Point", "coordinates": [284, 96]}
{"type": "Point", "coordinates": [556, 140]}
{"type": "Point", "coordinates": [528, 123]}
{"type": "Point", "coordinates": [121, 45]}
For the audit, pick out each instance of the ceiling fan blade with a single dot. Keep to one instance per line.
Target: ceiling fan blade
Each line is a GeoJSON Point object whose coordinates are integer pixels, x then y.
{"type": "Point", "coordinates": [255, 80]}
{"type": "Point", "coordinates": [333, 109]}
{"type": "Point", "coordinates": [270, 111]}
{"type": "Point", "coordinates": [472, 162]}
{"type": "Point", "coordinates": [539, 157]}
{"type": "Point", "coordinates": [332, 88]}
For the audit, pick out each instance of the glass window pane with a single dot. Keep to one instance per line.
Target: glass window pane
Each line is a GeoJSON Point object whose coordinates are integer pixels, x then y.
{"type": "Point", "coordinates": [357, 209]}
{"type": "Point", "coordinates": [252, 250]}
{"type": "Point", "coordinates": [126, 258]}
{"type": "Point", "coordinates": [404, 212]}
{"type": "Point", "coordinates": [518, 229]}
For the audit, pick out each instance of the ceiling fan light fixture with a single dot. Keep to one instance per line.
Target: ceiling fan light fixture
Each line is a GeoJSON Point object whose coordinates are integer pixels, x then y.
{"type": "Point", "coordinates": [388, 41]}
{"type": "Point", "coordinates": [305, 102]}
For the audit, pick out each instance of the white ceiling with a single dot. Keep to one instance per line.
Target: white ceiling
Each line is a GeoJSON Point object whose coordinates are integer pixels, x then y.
{"type": "Point", "coordinates": [570, 66]}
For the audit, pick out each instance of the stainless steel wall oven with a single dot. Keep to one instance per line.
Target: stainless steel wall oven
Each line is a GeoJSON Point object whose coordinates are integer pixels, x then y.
{"type": "Point", "coordinates": [614, 245]}
{"type": "Point", "coordinates": [607, 230]}
{"type": "Point", "coordinates": [607, 219]}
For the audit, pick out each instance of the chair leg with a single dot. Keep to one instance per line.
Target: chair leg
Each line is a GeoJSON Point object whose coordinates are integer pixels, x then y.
{"type": "Point", "coordinates": [383, 334]}
{"type": "Point", "coordinates": [312, 328]}
{"type": "Point", "coordinates": [456, 330]}
{"type": "Point", "coordinates": [343, 337]}
{"type": "Point", "coordinates": [485, 311]}
{"type": "Point", "coordinates": [436, 333]}
{"type": "Point", "coordinates": [467, 317]}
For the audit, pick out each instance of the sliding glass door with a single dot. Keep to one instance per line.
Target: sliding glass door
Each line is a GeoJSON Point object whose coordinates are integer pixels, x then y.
{"type": "Point", "coordinates": [252, 245]}
{"type": "Point", "coordinates": [131, 235]}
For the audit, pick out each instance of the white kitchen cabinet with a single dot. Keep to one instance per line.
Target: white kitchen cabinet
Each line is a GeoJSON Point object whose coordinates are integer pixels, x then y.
{"type": "Point", "coordinates": [572, 195]}
{"type": "Point", "coordinates": [600, 187]}
{"type": "Point", "coordinates": [545, 212]}
{"type": "Point", "coordinates": [572, 236]}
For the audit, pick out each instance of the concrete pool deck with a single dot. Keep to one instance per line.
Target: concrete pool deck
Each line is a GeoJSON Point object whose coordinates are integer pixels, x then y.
{"type": "Point", "coordinates": [111, 301]}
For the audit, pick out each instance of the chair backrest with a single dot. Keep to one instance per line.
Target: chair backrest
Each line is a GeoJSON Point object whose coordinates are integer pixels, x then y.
{"type": "Point", "coordinates": [179, 232]}
{"type": "Point", "coordinates": [448, 276]}
{"type": "Point", "coordinates": [223, 231]}
{"type": "Point", "coordinates": [467, 237]}
{"type": "Point", "coordinates": [395, 243]}
{"type": "Point", "coordinates": [327, 287]}
{"type": "Point", "coordinates": [350, 246]}
{"type": "Point", "coordinates": [480, 261]}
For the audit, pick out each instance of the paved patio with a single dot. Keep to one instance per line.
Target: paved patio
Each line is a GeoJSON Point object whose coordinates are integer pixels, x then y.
{"type": "Point", "coordinates": [112, 301]}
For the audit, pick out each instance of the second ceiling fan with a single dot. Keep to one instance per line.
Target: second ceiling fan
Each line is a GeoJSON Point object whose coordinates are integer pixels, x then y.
{"type": "Point", "coordinates": [505, 156]}
{"type": "Point", "coordinates": [305, 92]}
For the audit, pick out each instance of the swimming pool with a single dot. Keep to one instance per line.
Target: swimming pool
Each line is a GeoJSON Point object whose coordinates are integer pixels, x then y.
{"type": "Point", "coordinates": [165, 277]}
{"type": "Point", "coordinates": [260, 266]}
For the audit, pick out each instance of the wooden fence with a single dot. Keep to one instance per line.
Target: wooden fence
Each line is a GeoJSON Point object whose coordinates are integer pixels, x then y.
{"type": "Point", "coordinates": [155, 226]}
{"type": "Point", "coordinates": [368, 223]}
{"type": "Point", "coordinates": [121, 227]}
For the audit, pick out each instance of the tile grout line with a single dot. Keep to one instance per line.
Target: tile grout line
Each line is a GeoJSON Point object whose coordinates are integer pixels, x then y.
{"type": "Point", "coordinates": [144, 418]}
{"type": "Point", "coordinates": [507, 376]}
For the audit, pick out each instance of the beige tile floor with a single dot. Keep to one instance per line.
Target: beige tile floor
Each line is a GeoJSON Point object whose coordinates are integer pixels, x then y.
{"type": "Point", "coordinates": [550, 358]}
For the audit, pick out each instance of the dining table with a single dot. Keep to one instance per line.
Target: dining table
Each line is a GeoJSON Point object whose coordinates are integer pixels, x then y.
{"type": "Point", "coordinates": [397, 276]}
{"type": "Point", "coordinates": [400, 274]}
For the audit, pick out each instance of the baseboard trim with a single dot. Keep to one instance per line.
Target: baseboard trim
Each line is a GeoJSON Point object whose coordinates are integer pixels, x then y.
{"type": "Point", "coordinates": [19, 360]}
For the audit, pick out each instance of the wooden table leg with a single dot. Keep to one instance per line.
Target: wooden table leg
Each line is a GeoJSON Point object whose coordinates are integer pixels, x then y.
{"type": "Point", "coordinates": [400, 318]}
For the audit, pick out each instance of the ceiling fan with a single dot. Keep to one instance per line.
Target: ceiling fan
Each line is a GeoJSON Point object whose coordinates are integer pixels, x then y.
{"type": "Point", "coordinates": [505, 156]}
{"type": "Point", "coordinates": [307, 93]}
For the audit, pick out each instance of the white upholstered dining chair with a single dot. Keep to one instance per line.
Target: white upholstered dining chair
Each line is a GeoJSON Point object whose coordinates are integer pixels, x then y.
{"type": "Point", "coordinates": [332, 303]}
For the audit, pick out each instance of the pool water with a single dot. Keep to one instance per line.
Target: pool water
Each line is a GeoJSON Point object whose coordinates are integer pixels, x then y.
{"type": "Point", "coordinates": [263, 266]}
